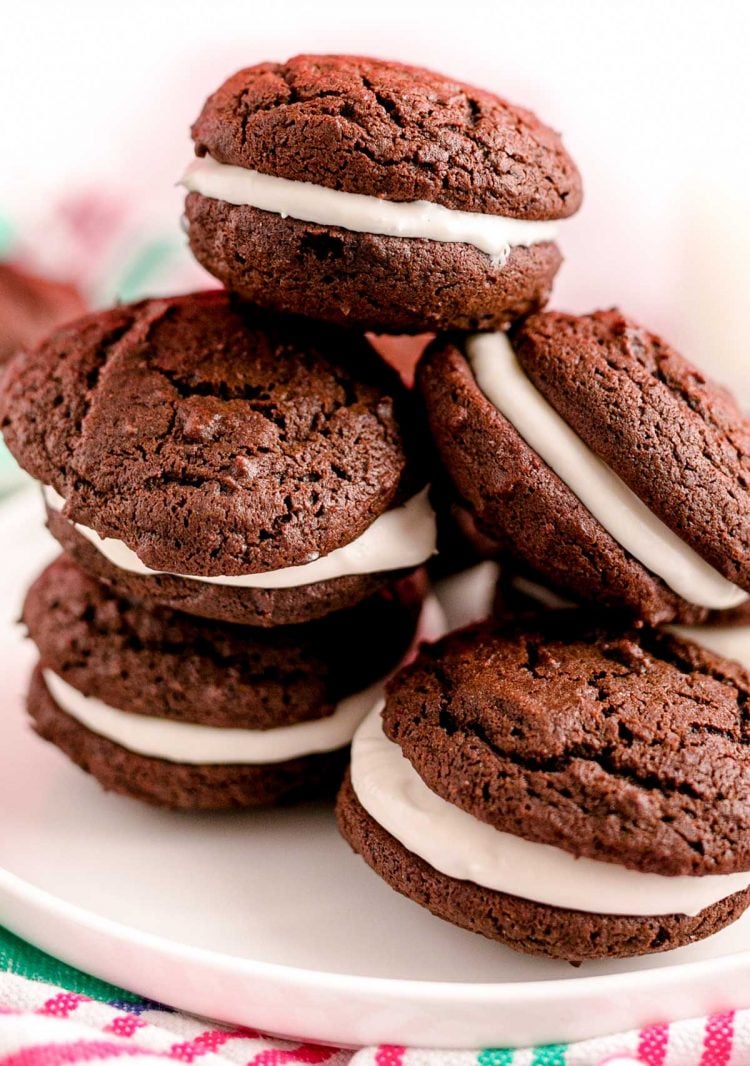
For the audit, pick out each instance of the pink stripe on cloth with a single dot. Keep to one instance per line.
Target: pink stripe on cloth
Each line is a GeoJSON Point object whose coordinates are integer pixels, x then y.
{"type": "Point", "coordinates": [124, 1025]}
{"type": "Point", "coordinates": [62, 1005]}
{"type": "Point", "coordinates": [652, 1045]}
{"type": "Point", "coordinates": [203, 1044]}
{"type": "Point", "coordinates": [390, 1055]}
{"type": "Point", "coordinates": [59, 1054]}
{"type": "Point", "coordinates": [718, 1039]}
{"type": "Point", "coordinates": [304, 1053]}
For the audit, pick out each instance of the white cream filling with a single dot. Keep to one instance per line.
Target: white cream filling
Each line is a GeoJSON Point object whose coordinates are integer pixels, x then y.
{"type": "Point", "coordinates": [493, 234]}
{"type": "Point", "coordinates": [455, 843]}
{"type": "Point", "coordinates": [186, 742]}
{"type": "Point", "coordinates": [733, 642]}
{"type": "Point", "coordinates": [400, 538]}
{"type": "Point", "coordinates": [625, 517]}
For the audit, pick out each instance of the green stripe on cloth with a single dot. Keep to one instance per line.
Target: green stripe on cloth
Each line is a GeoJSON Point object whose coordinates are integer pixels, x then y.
{"type": "Point", "coordinates": [550, 1055]}
{"type": "Point", "coordinates": [18, 957]}
{"type": "Point", "coordinates": [495, 1057]}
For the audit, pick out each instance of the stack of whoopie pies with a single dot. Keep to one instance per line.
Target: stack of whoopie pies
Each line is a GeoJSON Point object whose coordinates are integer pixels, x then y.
{"type": "Point", "coordinates": [241, 509]}
{"type": "Point", "coordinates": [239, 484]}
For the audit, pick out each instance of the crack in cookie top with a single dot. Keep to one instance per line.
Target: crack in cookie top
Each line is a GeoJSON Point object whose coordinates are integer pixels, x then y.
{"type": "Point", "coordinates": [384, 129]}
{"type": "Point", "coordinates": [628, 747]}
{"type": "Point", "coordinates": [210, 437]}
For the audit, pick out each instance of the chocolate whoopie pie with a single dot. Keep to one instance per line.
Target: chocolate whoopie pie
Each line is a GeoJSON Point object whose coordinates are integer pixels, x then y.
{"type": "Point", "coordinates": [199, 715]}
{"type": "Point", "coordinates": [571, 790]}
{"type": "Point", "coordinates": [371, 193]}
{"type": "Point", "coordinates": [599, 457]}
{"type": "Point", "coordinates": [220, 460]}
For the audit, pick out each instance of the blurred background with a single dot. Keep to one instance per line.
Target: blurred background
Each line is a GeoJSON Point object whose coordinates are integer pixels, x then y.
{"type": "Point", "coordinates": [651, 97]}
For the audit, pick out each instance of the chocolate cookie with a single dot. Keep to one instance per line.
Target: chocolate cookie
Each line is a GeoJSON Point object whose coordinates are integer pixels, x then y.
{"type": "Point", "coordinates": [147, 665]}
{"type": "Point", "coordinates": [371, 193]}
{"type": "Point", "coordinates": [594, 453]}
{"type": "Point", "coordinates": [222, 445]}
{"type": "Point", "coordinates": [572, 790]}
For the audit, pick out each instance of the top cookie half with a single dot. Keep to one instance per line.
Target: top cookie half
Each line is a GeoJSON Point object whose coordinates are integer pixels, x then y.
{"type": "Point", "coordinates": [367, 192]}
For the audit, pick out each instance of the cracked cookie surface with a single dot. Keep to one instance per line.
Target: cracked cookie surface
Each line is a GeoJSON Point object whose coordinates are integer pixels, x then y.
{"type": "Point", "coordinates": [211, 438]}
{"type": "Point", "coordinates": [385, 129]}
{"type": "Point", "coordinates": [630, 747]}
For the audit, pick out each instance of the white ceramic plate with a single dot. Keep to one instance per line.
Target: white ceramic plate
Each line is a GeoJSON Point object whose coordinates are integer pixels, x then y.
{"type": "Point", "coordinates": [267, 919]}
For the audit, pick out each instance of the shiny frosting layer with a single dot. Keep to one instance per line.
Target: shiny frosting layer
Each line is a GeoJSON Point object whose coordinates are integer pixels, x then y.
{"type": "Point", "coordinates": [615, 506]}
{"type": "Point", "coordinates": [457, 844]}
{"type": "Point", "coordinates": [187, 742]}
{"type": "Point", "coordinates": [469, 595]}
{"type": "Point", "coordinates": [398, 539]}
{"type": "Point", "coordinates": [495, 235]}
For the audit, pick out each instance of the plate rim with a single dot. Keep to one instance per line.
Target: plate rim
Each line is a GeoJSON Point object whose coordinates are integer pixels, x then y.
{"type": "Point", "coordinates": [13, 885]}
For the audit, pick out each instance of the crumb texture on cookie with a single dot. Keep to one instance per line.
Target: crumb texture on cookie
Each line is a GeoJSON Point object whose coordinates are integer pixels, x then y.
{"type": "Point", "coordinates": [630, 747]}
{"type": "Point", "coordinates": [386, 284]}
{"type": "Point", "coordinates": [210, 437]}
{"type": "Point", "coordinates": [385, 129]}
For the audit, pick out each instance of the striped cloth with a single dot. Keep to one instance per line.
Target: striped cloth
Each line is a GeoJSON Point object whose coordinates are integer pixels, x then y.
{"type": "Point", "coordinates": [53, 1015]}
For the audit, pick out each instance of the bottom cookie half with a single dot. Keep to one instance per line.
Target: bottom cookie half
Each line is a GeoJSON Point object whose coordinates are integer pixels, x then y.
{"type": "Point", "coordinates": [178, 785]}
{"type": "Point", "coordinates": [533, 928]}
{"type": "Point", "coordinates": [224, 603]}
